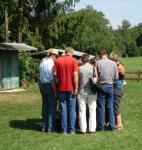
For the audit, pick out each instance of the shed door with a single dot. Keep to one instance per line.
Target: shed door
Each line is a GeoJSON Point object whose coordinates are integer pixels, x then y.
{"type": "Point", "coordinates": [14, 70]}
{"type": "Point", "coordinates": [10, 70]}
{"type": "Point", "coordinates": [6, 70]}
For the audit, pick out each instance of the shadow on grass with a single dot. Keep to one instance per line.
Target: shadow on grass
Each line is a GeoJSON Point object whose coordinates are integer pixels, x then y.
{"type": "Point", "coordinates": [35, 124]}
{"type": "Point", "coordinates": [28, 124]}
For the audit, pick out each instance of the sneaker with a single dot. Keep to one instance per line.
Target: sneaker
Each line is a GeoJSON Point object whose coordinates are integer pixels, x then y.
{"type": "Point", "coordinates": [91, 132]}
{"type": "Point", "coordinates": [112, 129]}
{"type": "Point", "coordinates": [72, 133]}
{"type": "Point", "coordinates": [100, 130]}
{"type": "Point", "coordinates": [109, 128]}
{"type": "Point", "coordinates": [80, 132]}
{"type": "Point", "coordinates": [64, 133]}
{"type": "Point", "coordinates": [43, 130]}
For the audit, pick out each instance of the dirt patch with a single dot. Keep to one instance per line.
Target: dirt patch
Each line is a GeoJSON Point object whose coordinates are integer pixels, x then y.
{"type": "Point", "coordinates": [19, 98]}
{"type": "Point", "coordinates": [13, 91]}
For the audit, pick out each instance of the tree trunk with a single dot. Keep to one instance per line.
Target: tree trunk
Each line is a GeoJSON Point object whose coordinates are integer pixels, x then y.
{"type": "Point", "coordinates": [6, 21]}
{"type": "Point", "coordinates": [20, 21]}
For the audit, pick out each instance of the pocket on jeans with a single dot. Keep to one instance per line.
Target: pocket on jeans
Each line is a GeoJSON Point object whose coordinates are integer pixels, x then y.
{"type": "Point", "coordinates": [72, 97]}
{"type": "Point", "coordinates": [106, 90]}
{"type": "Point", "coordinates": [110, 91]}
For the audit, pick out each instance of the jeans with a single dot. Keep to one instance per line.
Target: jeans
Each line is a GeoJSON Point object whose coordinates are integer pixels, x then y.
{"type": "Point", "coordinates": [68, 111]}
{"type": "Point", "coordinates": [48, 107]}
{"type": "Point", "coordinates": [105, 104]}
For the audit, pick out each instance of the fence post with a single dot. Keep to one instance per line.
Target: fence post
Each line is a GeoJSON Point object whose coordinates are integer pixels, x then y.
{"type": "Point", "coordinates": [139, 76]}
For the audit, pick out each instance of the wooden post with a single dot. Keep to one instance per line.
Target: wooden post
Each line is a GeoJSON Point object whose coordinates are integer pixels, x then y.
{"type": "Point", "coordinates": [6, 21]}
{"type": "Point", "coordinates": [20, 21]}
{"type": "Point", "coordinates": [139, 76]}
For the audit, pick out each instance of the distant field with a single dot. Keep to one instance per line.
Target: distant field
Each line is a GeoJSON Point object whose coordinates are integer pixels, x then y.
{"type": "Point", "coordinates": [133, 63]}
{"type": "Point", "coordinates": [20, 120]}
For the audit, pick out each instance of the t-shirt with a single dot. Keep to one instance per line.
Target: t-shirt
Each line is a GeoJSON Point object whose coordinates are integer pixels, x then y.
{"type": "Point", "coordinates": [46, 70]}
{"type": "Point", "coordinates": [85, 75]}
{"type": "Point", "coordinates": [107, 71]}
{"type": "Point", "coordinates": [64, 68]}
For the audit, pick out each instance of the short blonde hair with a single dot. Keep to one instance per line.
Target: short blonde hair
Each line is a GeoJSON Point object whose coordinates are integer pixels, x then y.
{"type": "Point", "coordinates": [113, 56]}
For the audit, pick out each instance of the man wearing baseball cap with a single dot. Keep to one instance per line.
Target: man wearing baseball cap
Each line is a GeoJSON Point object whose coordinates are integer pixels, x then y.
{"type": "Point", "coordinates": [48, 91]}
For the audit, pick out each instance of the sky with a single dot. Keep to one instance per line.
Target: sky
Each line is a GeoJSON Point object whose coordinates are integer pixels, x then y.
{"type": "Point", "coordinates": [116, 10]}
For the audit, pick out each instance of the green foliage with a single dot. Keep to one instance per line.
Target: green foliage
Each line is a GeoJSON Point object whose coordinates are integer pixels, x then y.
{"type": "Point", "coordinates": [81, 32]}
{"type": "Point", "coordinates": [127, 39]}
{"type": "Point", "coordinates": [28, 67]}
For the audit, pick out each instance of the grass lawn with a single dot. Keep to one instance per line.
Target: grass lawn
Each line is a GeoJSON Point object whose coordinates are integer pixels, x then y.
{"type": "Point", "coordinates": [132, 63]}
{"type": "Point", "coordinates": [20, 122]}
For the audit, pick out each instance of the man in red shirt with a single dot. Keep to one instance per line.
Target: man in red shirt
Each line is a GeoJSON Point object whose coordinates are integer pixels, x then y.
{"type": "Point", "coordinates": [66, 70]}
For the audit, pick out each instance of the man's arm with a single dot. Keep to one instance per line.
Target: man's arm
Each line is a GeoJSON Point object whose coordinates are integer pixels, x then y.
{"type": "Point", "coordinates": [95, 73]}
{"type": "Point", "coordinates": [75, 76]}
{"type": "Point", "coordinates": [115, 74]}
{"type": "Point", "coordinates": [53, 83]}
{"type": "Point", "coordinates": [75, 79]}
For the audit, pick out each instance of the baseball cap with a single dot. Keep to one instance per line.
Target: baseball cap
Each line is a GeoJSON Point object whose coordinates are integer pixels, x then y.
{"type": "Point", "coordinates": [53, 51]}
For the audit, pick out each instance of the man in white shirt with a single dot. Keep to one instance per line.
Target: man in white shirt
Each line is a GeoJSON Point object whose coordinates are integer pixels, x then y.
{"type": "Point", "coordinates": [48, 91]}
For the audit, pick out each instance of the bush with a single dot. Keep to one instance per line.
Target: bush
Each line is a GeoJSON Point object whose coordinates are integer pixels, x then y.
{"type": "Point", "coordinates": [28, 67]}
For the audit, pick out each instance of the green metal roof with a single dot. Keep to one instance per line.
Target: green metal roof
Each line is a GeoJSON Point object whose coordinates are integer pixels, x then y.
{"type": "Point", "coordinates": [76, 53]}
{"type": "Point", "coordinates": [17, 47]}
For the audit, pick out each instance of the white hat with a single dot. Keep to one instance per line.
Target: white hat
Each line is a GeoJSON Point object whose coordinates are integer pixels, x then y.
{"type": "Point", "coordinates": [53, 51]}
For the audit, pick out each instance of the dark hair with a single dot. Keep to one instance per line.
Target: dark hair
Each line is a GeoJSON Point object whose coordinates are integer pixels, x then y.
{"type": "Point", "coordinates": [94, 60]}
{"type": "Point", "coordinates": [85, 57]}
{"type": "Point", "coordinates": [102, 52]}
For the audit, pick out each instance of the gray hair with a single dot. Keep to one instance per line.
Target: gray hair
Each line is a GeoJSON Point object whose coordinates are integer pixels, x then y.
{"type": "Point", "coordinates": [69, 50]}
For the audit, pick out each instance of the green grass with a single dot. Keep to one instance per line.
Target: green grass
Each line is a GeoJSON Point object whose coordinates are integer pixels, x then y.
{"type": "Point", "coordinates": [133, 63]}
{"type": "Point", "coordinates": [20, 122]}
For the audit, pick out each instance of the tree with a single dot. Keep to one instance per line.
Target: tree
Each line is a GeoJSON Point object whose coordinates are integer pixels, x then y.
{"type": "Point", "coordinates": [126, 39]}
{"type": "Point", "coordinates": [78, 30]}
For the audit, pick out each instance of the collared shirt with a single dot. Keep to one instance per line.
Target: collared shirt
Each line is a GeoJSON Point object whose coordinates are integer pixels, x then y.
{"type": "Point", "coordinates": [107, 71]}
{"type": "Point", "coordinates": [46, 70]}
{"type": "Point", "coordinates": [64, 68]}
{"type": "Point", "coordinates": [85, 75]}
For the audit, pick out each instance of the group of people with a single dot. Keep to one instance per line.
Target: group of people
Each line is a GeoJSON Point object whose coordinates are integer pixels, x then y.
{"type": "Point", "coordinates": [63, 78]}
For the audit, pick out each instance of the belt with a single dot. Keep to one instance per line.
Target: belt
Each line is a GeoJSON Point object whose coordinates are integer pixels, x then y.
{"type": "Point", "coordinates": [105, 83]}
{"type": "Point", "coordinates": [45, 81]}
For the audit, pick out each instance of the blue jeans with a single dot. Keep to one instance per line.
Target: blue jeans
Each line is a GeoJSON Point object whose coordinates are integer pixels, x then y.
{"type": "Point", "coordinates": [48, 107]}
{"type": "Point", "coordinates": [105, 104]}
{"type": "Point", "coordinates": [68, 111]}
